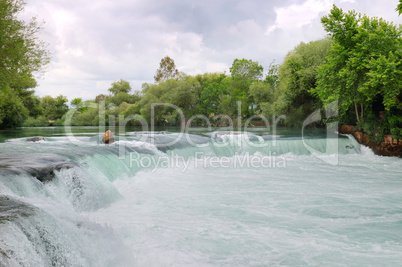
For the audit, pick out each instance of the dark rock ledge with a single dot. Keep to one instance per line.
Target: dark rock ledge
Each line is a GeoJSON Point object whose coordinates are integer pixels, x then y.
{"type": "Point", "coordinates": [42, 167]}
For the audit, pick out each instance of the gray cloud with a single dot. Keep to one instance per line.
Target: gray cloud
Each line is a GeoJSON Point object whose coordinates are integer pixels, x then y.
{"type": "Point", "coordinates": [96, 43]}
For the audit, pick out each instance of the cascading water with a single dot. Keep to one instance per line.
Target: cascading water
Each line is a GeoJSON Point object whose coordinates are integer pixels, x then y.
{"type": "Point", "coordinates": [207, 199]}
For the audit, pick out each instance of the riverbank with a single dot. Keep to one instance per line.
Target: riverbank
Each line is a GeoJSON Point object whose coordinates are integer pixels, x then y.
{"type": "Point", "coordinates": [389, 147]}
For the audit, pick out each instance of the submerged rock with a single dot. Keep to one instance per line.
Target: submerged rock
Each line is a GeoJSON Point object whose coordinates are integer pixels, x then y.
{"type": "Point", "coordinates": [108, 137]}
{"type": "Point", "coordinates": [46, 174]}
{"type": "Point", "coordinates": [11, 209]}
{"type": "Point", "coordinates": [41, 167]}
{"type": "Point", "coordinates": [36, 139]}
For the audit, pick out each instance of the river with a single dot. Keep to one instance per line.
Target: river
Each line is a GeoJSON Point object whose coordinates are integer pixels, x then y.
{"type": "Point", "coordinates": [208, 197]}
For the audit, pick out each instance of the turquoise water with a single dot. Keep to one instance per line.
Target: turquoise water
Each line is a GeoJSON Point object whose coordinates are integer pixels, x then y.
{"type": "Point", "coordinates": [206, 198]}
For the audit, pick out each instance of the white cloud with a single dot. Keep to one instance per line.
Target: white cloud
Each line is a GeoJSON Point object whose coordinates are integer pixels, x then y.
{"type": "Point", "coordinates": [298, 15]}
{"type": "Point", "coordinates": [95, 43]}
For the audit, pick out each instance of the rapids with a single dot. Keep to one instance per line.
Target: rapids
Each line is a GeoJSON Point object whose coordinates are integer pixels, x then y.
{"type": "Point", "coordinates": [203, 198]}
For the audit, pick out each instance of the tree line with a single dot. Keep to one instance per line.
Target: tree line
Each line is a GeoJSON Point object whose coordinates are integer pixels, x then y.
{"type": "Point", "coordinates": [358, 64]}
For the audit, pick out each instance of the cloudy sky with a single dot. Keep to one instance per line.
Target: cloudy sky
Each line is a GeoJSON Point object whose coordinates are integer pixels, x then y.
{"type": "Point", "coordinates": [94, 43]}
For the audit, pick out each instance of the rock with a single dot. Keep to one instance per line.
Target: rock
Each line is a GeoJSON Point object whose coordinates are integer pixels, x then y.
{"type": "Point", "coordinates": [346, 129]}
{"type": "Point", "coordinates": [42, 167]}
{"type": "Point", "coordinates": [389, 147]}
{"type": "Point", "coordinates": [108, 137]}
{"type": "Point", "coordinates": [388, 139]}
{"type": "Point", "coordinates": [361, 137]}
{"type": "Point", "coordinates": [46, 174]}
{"type": "Point", "coordinates": [36, 139]}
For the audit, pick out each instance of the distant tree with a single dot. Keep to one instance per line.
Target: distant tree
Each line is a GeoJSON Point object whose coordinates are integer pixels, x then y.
{"type": "Point", "coordinates": [289, 87]}
{"type": "Point", "coordinates": [48, 104]}
{"type": "Point", "coordinates": [213, 86]}
{"type": "Point", "coordinates": [86, 118]}
{"type": "Point", "coordinates": [123, 97]}
{"type": "Point", "coordinates": [76, 102]}
{"type": "Point", "coordinates": [121, 86]}
{"type": "Point", "coordinates": [79, 105]}
{"type": "Point", "coordinates": [33, 106]}
{"type": "Point", "coordinates": [100, 98]}
{"type": "Point", "coordinates": [244, 72]}
{"type": "Point", "coordinates": [272, 77]}
{"type": "Point", "coordinates": [262, 93]}
{"type": "Point", "coordinates": [167, 70]}
{"type": "Point", "coordinates": [61, 106]}
{"type": "Point", "coordinates": [54, 108]}
{"type": "Point", "coordinates": [183, 93]}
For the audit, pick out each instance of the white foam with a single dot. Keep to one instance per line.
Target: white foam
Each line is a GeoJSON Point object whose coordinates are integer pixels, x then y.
{"type": "Point", "coordinates": [139, 144]}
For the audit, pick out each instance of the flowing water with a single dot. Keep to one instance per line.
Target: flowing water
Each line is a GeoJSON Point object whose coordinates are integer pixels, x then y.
{"type": "Point", "coordinates": [204, 198]}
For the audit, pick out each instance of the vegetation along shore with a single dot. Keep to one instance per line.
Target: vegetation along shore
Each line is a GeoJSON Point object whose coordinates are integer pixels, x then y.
{"type": "Point", "coordinates": [358, 64]}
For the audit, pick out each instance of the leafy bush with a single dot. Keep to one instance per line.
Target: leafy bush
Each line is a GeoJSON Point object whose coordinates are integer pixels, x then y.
{"type": "Point", "coordinates": [36, 122]}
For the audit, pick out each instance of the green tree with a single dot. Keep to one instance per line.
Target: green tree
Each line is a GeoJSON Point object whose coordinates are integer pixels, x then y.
{"type": "Point", "coordinates": [399, 7]}
{"type": "Point", "coordinates": [87, 116]}
{"type": "Point", "coordinates": [297, 75]}
{"type": "Point", "coordinates": [244, 72]}
{"type": "Point", "coordinates": [167, 70]}
{"type": "Point", "coordinates": [213, 86]}
{"type": "Point", "coordinates": [123, 97]}
{"type": "Point", "coordinates": [48, 104]}
{"type": "Point", "coordinates": [272, 77]}
{"type": "Point", "coordinates": [364, 63]}
{"type": "Point", "coordinates": [61, 106]}
{"type": "Point", "coordinates": [54, 108]}
{"type": "Point", "coordinates": [21, 55]}
{"type": "Point", "coordinates": [120, 86]}
{"type": "Point", "coordinates": [151, 93]}
{"type": "Point", "coordinates": [263, 92]}
{"type": "Point", "coordinates": [12, 110]}
{"type": "Point", "coordinates": [76, 102]}
{"type": "Point", "coordinates": [183, 93]}
{"type": "Point", "coordinates": [33, 105]}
